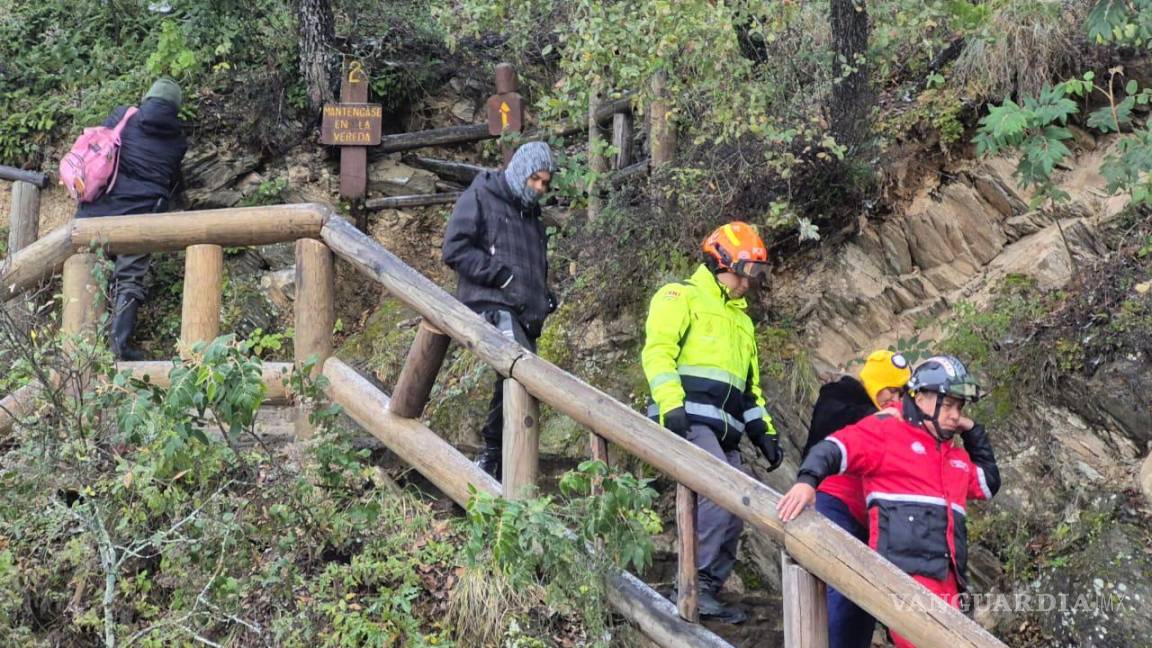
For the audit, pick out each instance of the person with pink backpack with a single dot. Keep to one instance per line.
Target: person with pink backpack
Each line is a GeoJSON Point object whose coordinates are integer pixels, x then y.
{"type": "Point", "coordinates": [152, 147]}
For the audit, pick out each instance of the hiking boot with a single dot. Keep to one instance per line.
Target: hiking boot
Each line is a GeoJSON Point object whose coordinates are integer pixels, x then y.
{"type": "Point", "coordinates": [123, 325]}
{"type": "Point", "coordinates": [489, 461]}
{"type": "Point", "coordinates": [712, 608]}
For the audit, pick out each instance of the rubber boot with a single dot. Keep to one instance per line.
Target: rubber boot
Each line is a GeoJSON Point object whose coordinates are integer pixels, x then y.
{"type": "Point", "coordinates": [123, 325]}
{"type": "Point", "coordinates": [489, 461]}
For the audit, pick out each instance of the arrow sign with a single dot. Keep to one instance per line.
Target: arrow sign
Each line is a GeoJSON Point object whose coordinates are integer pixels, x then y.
{"type": "Point", "coordinates": [505, 113]}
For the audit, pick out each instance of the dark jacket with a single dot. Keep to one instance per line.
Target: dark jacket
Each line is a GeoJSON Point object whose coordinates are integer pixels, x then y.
{"type": "Point", "coordinates": [490, 231]}
{"type": "Point", "coordinates": [839, 405]}
{"type": "Point", "coordinates": [152, 146]}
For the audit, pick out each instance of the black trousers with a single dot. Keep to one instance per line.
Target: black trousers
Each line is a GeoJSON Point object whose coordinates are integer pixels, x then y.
{"type": "Point", "coordinates": [511, 327]}
{"type": "Point", "coordinates": [130, 278]}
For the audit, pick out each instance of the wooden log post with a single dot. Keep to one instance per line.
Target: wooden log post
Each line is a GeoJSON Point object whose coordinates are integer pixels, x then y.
{"type": "Point", "coordinates": [425, 357]}
{"type": "Point", "coordinates": [83, 299]}
{"type": "Point", "coordinates": [687, 577]}
{"type": "Point", "coordinates": [521, 456]}
{"type": "Point", "coordinates": [661, 131]}
{"type": "Point", "coordinates": [203, 282]}
{"type": "Point", "coordinates": [315, 314]}
{"type": "Point", "coordinates": [599, 449]}
{"type": "Point", "coordinates": [805, 606]}
{"type": "Point", "coordinates": [505, 109]}
{"type": "Point", "coordinates": [79, 319]}
{"type": "Point", "coordinates": [622, 139]}
{"type": "Point", "coordinates": [23, 228]}
{"type": "Point", "coordinates": [17, 405]}
{"type": "Point", "coordinates": [24, 225]}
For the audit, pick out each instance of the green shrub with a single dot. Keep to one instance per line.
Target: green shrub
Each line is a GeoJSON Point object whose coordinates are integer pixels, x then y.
{"type": "Point", "coordinates": [544, 545]}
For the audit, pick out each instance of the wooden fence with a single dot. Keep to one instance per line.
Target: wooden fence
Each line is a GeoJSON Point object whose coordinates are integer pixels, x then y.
{"type": "Point", "coordinates": [816, 547]}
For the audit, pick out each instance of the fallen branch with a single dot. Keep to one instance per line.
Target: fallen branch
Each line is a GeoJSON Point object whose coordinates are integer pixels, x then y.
{"type": "Point", "coordinates": [397, 202]}
{"type": "Point", "coordinates": [462, 172]}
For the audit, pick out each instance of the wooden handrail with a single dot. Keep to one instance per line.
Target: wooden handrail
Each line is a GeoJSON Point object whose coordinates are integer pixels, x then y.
{"type": "Point", "coordinates": [178, 230]}
{"type": "Point", "coordinates": [820, 546]}
{"type": "Point", "coordinates": [35, 263]}
{"type": "Point", "coordinates": [18, 404]}
{"type": "Point", "coordinates": [20, 175]}
{"type": "Point", "coordinates": [454, 474]}
{"type": "Point", "coordinates": [274, 374]}
{"type": "Point", "coordinates": [160, 233]}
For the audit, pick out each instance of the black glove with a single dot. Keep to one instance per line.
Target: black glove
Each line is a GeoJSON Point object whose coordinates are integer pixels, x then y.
{"type": "Point", "coordinates": [553, 303]}
{"type": "Point", "coordinates": [676, 420]}
{"type": "Point", "coordinates": [768, 444]}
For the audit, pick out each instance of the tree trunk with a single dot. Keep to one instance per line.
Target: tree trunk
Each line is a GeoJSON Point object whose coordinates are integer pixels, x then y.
{"type": "Point", "coordinates": [316, 35]}
{"type": "Point", "coordinates": [661, 130]}
{"type": "Point", "coordinates": [851, 95]}
{"type": "Point", "coordinates": [597, 163]}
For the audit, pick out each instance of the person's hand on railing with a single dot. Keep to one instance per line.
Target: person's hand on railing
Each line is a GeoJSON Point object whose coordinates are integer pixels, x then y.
{"type": "Point", "coordinates": [798, 498]}
{"type": "Point", "coordinates": [676, 420]}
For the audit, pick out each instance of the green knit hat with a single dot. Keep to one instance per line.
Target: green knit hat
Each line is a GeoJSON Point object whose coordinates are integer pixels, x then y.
{"type": "Point", "coordinates": [166, 89]}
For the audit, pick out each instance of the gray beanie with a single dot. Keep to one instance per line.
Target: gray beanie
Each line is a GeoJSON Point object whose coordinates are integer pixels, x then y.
{"type": "Point", "coordinates": [528, 159]}
{"type": "Point", "coordinates": [166, 89]}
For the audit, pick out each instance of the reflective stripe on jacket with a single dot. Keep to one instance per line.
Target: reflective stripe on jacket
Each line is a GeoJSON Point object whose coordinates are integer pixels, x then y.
{"type": "Point", "coordinates": [916, 489]}
{"type": "Point", "coordinates": [700, 354]}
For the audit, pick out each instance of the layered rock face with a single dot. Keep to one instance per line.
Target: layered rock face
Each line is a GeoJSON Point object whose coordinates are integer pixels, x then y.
{"type": "Point", "coordinates": [1064, 555]}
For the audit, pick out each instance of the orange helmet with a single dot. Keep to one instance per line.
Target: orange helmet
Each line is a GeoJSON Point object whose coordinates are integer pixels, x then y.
{"type": "Point", "coordinates": [736, 247]}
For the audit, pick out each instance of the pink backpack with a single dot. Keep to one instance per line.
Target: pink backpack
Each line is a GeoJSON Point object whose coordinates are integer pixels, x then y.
{"type": "Point", "coordinates": [90, 167]}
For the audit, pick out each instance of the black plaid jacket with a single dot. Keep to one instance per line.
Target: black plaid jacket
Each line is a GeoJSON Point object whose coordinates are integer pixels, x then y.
{"type": "Point", "coordinates": [490, 230]}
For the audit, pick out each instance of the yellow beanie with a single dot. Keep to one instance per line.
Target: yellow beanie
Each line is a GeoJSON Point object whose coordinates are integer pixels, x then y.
{"type": "Point", "coordinates": [884, 369]}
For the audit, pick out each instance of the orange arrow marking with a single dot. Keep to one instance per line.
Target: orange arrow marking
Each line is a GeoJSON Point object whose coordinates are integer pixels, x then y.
{"type": "Point", "coordinates": [504, 110]}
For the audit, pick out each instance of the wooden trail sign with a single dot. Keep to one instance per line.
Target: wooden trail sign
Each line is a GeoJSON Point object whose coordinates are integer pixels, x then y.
{"type": "Point", "coordinates": [353, 124]}
{"type": "Point", "coordinates": [505, 108]}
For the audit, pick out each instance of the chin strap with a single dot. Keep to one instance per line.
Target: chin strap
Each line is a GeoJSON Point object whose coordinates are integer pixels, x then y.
{"type": "Point", "coordinates": [914, 415]}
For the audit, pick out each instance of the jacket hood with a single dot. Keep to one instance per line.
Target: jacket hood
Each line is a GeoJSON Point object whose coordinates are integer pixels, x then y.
{"type": "Point", "coordinates": [494, 184]}
{"type": "Point", "coordinates": [846, 391]}
{"type": "Point", "coordinates": [159, 117]}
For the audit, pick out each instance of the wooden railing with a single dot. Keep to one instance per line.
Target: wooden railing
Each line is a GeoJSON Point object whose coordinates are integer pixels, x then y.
{"type": "Point", "coordinates": [816, 546]}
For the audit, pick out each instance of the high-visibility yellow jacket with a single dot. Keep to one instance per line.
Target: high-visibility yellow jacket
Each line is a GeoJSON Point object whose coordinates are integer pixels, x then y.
{"type": "Point", "coordinates": [700, 353]}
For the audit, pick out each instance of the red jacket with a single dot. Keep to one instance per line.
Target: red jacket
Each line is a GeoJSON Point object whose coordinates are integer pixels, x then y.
{"type": "Point", "coordinates": [850, 490]}
{"type": "Point", "coordinates": [916, 488]}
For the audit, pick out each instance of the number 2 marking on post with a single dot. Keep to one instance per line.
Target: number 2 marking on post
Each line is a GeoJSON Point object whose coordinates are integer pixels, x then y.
{"type": "Point", "coordinates": [355, 72]}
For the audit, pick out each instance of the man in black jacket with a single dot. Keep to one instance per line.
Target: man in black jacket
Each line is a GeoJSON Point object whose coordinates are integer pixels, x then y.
{"type": "Point", "coordinates": [152, 145]}
{"type": "Point", "coordinates": [498, 247]}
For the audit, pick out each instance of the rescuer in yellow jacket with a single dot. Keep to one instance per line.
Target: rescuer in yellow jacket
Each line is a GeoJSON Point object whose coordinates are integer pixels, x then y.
{"type": "Point", "coordinates": [703, 372]}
